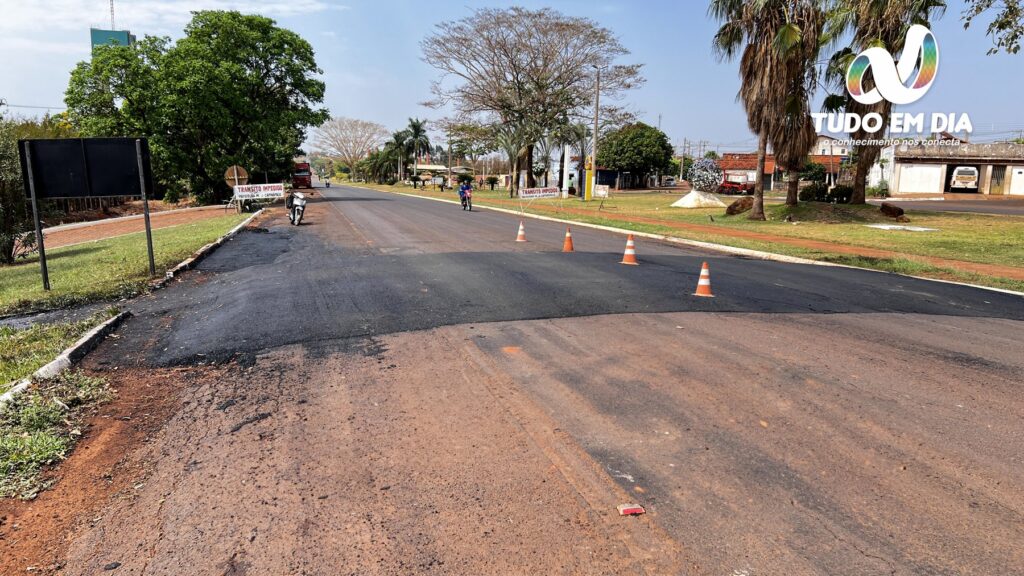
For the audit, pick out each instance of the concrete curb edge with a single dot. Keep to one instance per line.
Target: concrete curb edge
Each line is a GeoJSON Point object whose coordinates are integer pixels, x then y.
{"type": "Point", "coordinates": [67, 358]}
{"type": "Point", "coordinates": [746, 252]}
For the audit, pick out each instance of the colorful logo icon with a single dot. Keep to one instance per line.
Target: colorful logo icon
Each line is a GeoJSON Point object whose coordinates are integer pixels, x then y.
{"type": "Point", "coordinates": [899, 83]}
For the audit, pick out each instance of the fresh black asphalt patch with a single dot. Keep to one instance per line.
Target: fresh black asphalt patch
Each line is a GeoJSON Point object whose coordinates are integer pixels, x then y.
{"type": "Point", "coordinates": [295, 285]}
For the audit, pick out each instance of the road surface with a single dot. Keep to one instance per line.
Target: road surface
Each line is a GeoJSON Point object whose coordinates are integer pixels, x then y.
{"type": "Point", "coordinates": [1010, 207]}
{"type": "Point", "coordinates": [398, 387]}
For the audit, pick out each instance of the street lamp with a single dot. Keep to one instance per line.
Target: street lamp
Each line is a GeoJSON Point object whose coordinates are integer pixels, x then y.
{"type": "Point", "coordinates": [589, 193]}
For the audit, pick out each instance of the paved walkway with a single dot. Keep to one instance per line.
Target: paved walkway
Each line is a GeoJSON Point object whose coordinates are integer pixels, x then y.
{"type": "Point", "coordinates": [88, 232]}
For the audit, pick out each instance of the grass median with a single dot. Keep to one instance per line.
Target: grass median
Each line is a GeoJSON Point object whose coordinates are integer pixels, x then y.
{"type": "Point", "coordinates": [40, 427]}
{"type": "Point", "coordinates": [976, 248]}
{"type": "Point", "coordinates": [25, 350]}
{"type": "Point", "coordinates": [104, 269]}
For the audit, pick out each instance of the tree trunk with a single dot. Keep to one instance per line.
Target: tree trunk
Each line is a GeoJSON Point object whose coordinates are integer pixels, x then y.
{"type": "Point", "coordinates": [860, 178]}
{"type": "Point", "coordinates": [531, 182]}
{"type": "Point", "coordinates": [757, 211]}
{"type": "Point", "coordinates": [513, 187]}
{"type": "Point", "coordinates": [561, 168]}
{"type": "Point", "coordinates": [793, 188]}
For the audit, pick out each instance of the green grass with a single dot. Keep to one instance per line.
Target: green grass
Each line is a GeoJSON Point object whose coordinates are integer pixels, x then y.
{"type": "Point", "coordinates": [23, 351]}
{"type": "Point", "coordinates": [966, 237]}
{"type": "Point", "coordinates": [40, 427]}
{"type": "Point", "coordinates": [112, 268]}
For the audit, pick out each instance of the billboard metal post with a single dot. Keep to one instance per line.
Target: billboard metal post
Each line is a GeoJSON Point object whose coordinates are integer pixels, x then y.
{"type": "Point", "coordinates": [35, 217]}
{"type": "Point", "coordinates": [145, 208]}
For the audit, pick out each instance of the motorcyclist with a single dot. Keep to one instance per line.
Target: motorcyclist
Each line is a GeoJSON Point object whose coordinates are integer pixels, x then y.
{"type": "Point", "coordinates": [465, 191]}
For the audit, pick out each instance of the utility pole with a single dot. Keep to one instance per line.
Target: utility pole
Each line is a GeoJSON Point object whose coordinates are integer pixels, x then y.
{"type": "Point", "coordinates": [597, 107]}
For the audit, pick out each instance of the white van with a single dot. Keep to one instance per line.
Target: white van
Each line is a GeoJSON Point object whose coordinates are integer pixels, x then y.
{"type": "Point", "coordinates": [964, 177]}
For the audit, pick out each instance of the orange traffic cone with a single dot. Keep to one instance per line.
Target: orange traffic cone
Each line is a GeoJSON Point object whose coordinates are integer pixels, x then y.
{"type": "Point", "coordinates": [704, 284]}
{"type": "Point", "coordinates": [630, 256]}
{"type": "Point", "coordinates": [567, 245]}
{"type": "Point", "coordinates": [522, 233]}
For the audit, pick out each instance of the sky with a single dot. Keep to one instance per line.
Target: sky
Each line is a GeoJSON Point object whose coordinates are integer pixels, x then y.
{"type": "Point", "coordinates": [370, 54]}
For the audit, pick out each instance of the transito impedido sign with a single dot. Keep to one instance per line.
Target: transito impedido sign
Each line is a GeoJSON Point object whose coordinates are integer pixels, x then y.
{"type": "Point", "coordinates": [259, 191]}
{"type": "Point", "coordinates": [534, 193]}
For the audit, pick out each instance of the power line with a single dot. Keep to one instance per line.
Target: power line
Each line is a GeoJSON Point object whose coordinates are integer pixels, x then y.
{"type": "Point", "coordinates": [37, 107]}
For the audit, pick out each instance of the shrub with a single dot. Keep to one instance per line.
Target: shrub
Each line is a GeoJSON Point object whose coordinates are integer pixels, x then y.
{"type": "Point", "coordinates": [492, 181]}
{"type": "Point", "coordinates": [840, 195]}
{"type": "Point", "coordinates": [816, 192]}
{"type": "Point", "coordinates": [464, 178]}
{"type": "Point", "coordinates": [880, 191]}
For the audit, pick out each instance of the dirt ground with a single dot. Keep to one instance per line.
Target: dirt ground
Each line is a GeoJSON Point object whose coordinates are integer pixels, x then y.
{"type": "Point", "coordinates": [34, 534]}
{"type": "Point", "coordinates": [374, 460]}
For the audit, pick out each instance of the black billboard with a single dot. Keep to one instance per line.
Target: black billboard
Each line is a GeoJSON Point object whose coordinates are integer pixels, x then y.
{"type": "Point", "coordinates": [85, 167]}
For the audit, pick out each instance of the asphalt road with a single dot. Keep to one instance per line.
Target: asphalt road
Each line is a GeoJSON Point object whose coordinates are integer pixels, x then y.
{"type": "Point", "coordinates": [1012, 207]}
{"type": "Point", "coordinates": [396, 387]}
{"type": "Point", "coordinates": [365, 263]}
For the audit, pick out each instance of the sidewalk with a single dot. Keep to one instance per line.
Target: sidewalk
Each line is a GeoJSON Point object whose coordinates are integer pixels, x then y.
{"type": "Point", "coordinates": [70, 234]}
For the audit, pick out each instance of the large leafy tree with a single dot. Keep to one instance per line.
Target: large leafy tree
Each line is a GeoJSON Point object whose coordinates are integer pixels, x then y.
{"type": "Point", "coordinates": [15, 222]}
{"type": "Point", "coordinates": [237, 89]}
{"type": "Point", "coordinates": [1007, 25]}
{"type": "Point", "coordinates": [638, 148]}
{"type": "Point", "coordinates": [871, 23]}
{"type": "Point", "coordinates": [349, 139]}
{"type": "Point", "coordinates": [532, 69]}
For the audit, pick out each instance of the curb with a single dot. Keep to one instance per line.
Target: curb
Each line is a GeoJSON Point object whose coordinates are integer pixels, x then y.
{"type": "Point", "coordinates": [203, 252]}
{"type": "Point", "coordinates": [68, 357]}
{"type": "Point", "coordinates": [746, 252]}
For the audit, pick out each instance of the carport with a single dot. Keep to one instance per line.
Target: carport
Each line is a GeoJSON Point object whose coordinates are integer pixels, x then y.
{"type": "Point", "coordinates": [929, 169]}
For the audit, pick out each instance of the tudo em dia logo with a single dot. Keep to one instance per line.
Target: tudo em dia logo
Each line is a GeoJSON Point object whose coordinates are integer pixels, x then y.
{"type": "Point", "coordinates": [900, 82]}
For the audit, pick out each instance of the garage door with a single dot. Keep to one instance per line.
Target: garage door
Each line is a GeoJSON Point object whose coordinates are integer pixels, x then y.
{"type": "Point", "coordinates": [920, 179]}
{"type": "Point", "coordinates": [1017, 180]}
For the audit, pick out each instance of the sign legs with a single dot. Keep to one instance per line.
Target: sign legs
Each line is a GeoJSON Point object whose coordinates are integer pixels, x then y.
{"type": "Point", "coordinates": [35, 217]}
{"type": "Point", "coordinates": [145, 208]}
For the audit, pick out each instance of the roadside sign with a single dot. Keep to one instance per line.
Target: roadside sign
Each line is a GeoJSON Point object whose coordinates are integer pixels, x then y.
{"type": "Point", "coordinates": [236, 176]}
{"type": "Point", "coordinates": [259, 191]}
{"type": "Point", "coordinates": [85, 168]}
{"type": "Point", "coordinates": [533, 193]}
{"type": "Point", "coordinates": [601, 191]}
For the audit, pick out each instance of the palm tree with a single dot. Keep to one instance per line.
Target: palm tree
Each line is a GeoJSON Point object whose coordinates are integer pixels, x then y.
{"type": "Point", "coordinates": [417, 140]}
{"type": "Point", "coordinates": [398, 149]}
{"type": "Point", "coordinates": [512, 139]}
{"type": "Point", "coordinates": [544, 148]}
{"type": "Point", "coordinates": [791, 132]}
{"type": "Point", "coordinates": [872, 23]}
{"type": "Point", "coordinates": [578, 137]}
{"type": "Point", "coordinates": [753, 26]}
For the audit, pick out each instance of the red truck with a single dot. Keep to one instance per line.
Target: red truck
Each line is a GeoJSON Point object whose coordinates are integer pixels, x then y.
{"type": "Point", "coordinates": [302, 176]}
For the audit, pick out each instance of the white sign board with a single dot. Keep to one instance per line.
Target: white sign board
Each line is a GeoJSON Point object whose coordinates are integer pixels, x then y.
{"type": "Point", "coordinates": [601, 191]}
{"type": "Point", "coordinates": [259, 191]}
{"type": "Point", "coordinates": [532, 193]}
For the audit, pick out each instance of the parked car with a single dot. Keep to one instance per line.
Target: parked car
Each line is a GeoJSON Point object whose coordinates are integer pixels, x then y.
{"type": "Point", "coordinates": [964, 177]}
{"type": "Point", "coordinates": [736, 188]}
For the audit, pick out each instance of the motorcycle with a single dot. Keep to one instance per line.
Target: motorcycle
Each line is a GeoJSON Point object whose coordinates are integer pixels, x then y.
{"type": "Point", "coordinates": [467, 201]}
{"type": "Point", "coordinates": [296, 207]}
